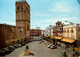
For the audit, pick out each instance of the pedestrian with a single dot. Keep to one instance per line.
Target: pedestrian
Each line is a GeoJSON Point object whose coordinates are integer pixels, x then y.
{"type": "Point", "coordinates": [65, 55]}
{"type": "Point", "coordinates": [27, 51]}
{"type": "Point", "coordinates": [27, 47]}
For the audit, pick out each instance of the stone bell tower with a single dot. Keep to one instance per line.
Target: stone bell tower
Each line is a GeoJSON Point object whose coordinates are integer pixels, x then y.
{"type": "Point", "coordinates": [23, 16]}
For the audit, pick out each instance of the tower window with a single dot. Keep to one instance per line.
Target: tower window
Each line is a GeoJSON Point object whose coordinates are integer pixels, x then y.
{"type": "Point", "coordinates": [23, 7]}
{"type": "Point", "coordinates": [27, 26]}
{"type": "Point", "coordinates": [26, 8]}
{"type": "Point", "coordinates": [18, 8]}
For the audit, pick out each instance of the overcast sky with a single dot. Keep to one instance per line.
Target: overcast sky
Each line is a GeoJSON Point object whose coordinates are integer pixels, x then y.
{"type": "Point", "coordinates": [43, 12]}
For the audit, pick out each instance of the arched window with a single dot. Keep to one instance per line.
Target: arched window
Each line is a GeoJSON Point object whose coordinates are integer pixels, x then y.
{"type": "Point", "coordinates": [18, 8]}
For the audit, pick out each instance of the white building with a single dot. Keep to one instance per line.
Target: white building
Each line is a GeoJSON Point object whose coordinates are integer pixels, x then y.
{"type": "Point", "coordinates": [71, 31]}
{"type": "Point", "coordinates": [48, 31]}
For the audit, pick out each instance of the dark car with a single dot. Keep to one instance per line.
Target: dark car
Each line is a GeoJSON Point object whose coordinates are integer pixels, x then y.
{"type": "Point", "coordinates": [19, 45]}
{"type": "Point", "coordinates": [22, 44]}
{"type": "Point", "coordinates": [16, 46]}
{"type": "Point", "coordinates": [7, 51]}
{"type": "Point", "coordinates": [11, 48]}
{"type": "Point", "coordinates": [2, 52]}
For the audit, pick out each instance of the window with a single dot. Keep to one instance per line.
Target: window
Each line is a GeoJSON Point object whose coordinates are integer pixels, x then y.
{"type": "Point", "coordinates": [60, 28]}
{"type": "Point", "coordinates": [18, 8]}
{"type": "Point", "coordinates": [64, 31]}
{"type": "Point", "coordinates": [26, 8]}
{"type": "Point", "coordinates": [71, 30]}
{"type": "Point", "coordinates": [23, 7]}
{"type": "Point", "coordinates": [78, 29]}
{"type": "Point", "coordinates": [28, 27]}
{"type": "Point", "coordinates": [67, 31]}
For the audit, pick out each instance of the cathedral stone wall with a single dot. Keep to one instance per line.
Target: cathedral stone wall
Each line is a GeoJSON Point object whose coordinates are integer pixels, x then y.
{"type": "Point", "coordinates": [10, 35]}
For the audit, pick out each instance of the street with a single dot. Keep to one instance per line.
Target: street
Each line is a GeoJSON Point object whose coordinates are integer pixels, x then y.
{"type": "Point", "coordinates": [40, 50]}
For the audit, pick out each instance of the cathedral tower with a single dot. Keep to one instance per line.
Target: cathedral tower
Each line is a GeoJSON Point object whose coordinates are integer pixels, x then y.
{"type": "Point", "coordinates": [23, 16]}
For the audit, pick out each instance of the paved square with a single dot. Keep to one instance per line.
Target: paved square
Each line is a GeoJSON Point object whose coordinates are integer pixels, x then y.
{"type": "Point", "coordinates": [40, 50]}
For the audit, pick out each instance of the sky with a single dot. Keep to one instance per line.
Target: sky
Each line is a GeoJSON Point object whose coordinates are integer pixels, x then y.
{"type": "Point", "coordinates": [43, 12]}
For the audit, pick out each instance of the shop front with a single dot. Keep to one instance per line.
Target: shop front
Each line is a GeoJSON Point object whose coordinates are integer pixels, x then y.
{"type": "Point", "coordinates": [66, 42]}
{"type": "Point", "coordinates": [58, 41]}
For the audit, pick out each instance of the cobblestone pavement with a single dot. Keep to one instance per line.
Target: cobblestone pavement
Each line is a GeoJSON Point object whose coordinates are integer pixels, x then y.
{"type": "Point", "coordinates": [40, 50]}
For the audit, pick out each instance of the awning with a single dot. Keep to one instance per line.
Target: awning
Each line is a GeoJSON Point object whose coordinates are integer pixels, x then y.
{"type": "Point", "coordinates": [50, 37]}
{"type": "Point", "coordinates": [47, 36]}
{"type": "Point", "coordinates": [68, 40]}
{"type": "Point", "coordinates": [58, 37]}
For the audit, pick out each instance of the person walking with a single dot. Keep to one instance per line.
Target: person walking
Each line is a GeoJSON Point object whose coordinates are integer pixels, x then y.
{"type": "Point", "coordinates": [65, 54]}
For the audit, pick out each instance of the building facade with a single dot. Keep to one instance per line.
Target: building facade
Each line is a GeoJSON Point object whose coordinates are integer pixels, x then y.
{"type": "Point", "coordinates": [48, 31]}
{"type": "Point", "coordinates": [59, 29]}
{"type": "Point", "coordinates": [71, 31]}
{"type": "Point", "coordinates": [35, 32]}
{"type": "Point", "coordinates": [54, 31]}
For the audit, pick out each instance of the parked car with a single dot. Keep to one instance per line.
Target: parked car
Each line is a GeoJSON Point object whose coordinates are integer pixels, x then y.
{"type": "Point", "coordinates": [22, 44]}
{"type": "Point", "coordinates": [37, 38]}
{"type": "Point", "coordinates": [2, 52]}
{"type": "Point", "coordinates": [7, 51]}
{"type": "Point", "coordinates": [49, 45]}
{"type": "Point", "coordinates": [11, 48]}
{"type": "Point", "coordinates": [16, 46]}
{"type": "Point", "coordinates": [19, 45]}
{"type": "Point", "coordinates": [53, 47]}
